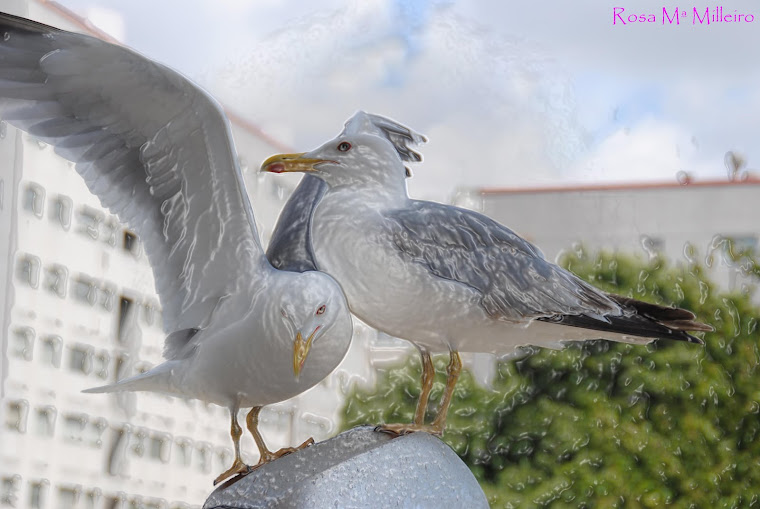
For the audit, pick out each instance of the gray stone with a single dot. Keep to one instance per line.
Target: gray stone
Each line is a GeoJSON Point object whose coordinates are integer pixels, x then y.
{"type": "Point", "coordinates": [358, 468]}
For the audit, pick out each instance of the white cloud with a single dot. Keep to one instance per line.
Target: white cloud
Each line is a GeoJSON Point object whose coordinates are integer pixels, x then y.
{"type": "Point", "coordinates": [497, 111]}
{"type": "Point", "coordinates": [528, 93]}
{"type": "Point", "coordinates": [651, 150]}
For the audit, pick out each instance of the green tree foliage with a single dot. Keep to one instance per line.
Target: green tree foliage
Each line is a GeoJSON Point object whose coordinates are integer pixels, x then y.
{"type": "Point", "coordinates": [604, 424]}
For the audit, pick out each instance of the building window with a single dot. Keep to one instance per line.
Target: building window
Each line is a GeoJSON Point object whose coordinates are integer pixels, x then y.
{"type": "Point", "coordinates": [137, 442]}
{"type": "Point", "coordinates": [56, 277]}
{"type": "Point", "coordinates": [28, 270]}
{"type": "Point", "coordinates": [38, 493]}
{"type": "Point", "coordinates": [22, 346]}
{"type": "Point", "coordinates": [61, 211]}
{"type": "Point", "coordinates": [125, 321]}
{"type": "Point", "coordinates": [80, 359]}
{"type": "Point", "coordinates": [102, 362]}
{"type": "Point", "coordinates": [50, 351]}
{"type": "Point", "coordinates": [95, 431]}
{"type": "Point", "coordinates": [149, 312]}
{"type": "Point", "coordinates": [85, 290]}
{"type": "Point", "coordinates": [93, 498]}
{"type": "Point", "coordinates": [152, 504]}
{"type": "Point", "coordinates": [45, 421]}
{"type": "Point", "coordinates": [73, 427]}
{"type": "Point", "coordinates": [160, 447]}
{"type": "Point", "coordinates": [9, 487]}
{"type": "Point", "coordinates": [107, 294]}
{"type": "Point", "coordinates": [109, 231]}
{"type": "Point", "coordinates": [203, 458]}
{"type": "Point", "coordinates": [122, 367]}
{"type": "Point", "coordinates": [115, 502]}
{"type": "Point", "coordinates": [183, 452]}
{"type": "Point", "coordinates": [16, 415]}
{"type": "Point", "coordinates": [130, 242]}
{"type": "Point", "coordinates": [34, 199]}
{"type": "Point", "coordinates": [68, 496]}
{"type": "Point", "coordinates": [224, 457]}
{"type": "Point", "coordinates": [88, 221]}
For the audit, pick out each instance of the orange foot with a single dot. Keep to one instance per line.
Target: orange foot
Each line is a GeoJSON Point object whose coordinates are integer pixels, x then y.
{"type": "Point", "coordinates": [268, 456]}
{"type": "Point", "coordinates": [238, 467]}
{"type": "Point", "coordinates": [405, 429]}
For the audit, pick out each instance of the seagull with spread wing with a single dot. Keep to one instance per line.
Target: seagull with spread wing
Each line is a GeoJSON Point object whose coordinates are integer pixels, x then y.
{"type": "Point", "coordinates": [445, 278]}
{"type": "Point", "coordinates": [158, 152]}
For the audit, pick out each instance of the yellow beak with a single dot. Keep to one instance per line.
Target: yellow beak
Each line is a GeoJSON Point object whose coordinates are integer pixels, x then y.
{"type": "Point", "coordinates": [301, 351]}
{"type": "Point", "coordinates": [286, 163]}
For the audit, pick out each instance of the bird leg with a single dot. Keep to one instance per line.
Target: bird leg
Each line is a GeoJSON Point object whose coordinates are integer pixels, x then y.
{"type": "Point", "coordinates": [453, 370]}
{"type": "Point", "coordinates": [238, 467]}
{"type": "Point", "coordinates": [265, 455]}
{"type": "Point", "coordinates": [428, 374]}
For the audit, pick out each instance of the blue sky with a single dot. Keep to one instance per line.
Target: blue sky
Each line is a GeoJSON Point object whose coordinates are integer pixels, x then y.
{"type": "Point", "coordinates": [510, 95]}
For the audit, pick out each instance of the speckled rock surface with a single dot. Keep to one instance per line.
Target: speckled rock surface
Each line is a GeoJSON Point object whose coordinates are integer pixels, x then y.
{"type": "Point", "coordinates": [358, 468]}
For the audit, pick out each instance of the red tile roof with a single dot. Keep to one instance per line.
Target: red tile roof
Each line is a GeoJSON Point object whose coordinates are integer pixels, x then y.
{"type": "Point", "coordinates": [624, 186]}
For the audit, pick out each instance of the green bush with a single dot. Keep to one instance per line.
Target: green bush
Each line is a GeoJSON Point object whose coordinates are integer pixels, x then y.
{"type": "Point", "coordinates": [603, 424]}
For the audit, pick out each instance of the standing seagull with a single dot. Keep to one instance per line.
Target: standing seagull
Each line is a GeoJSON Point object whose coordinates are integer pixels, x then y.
{"type": "Point", "coordinates": [449, 279]}
{"type": "Point", "coordinates": [158, 152]}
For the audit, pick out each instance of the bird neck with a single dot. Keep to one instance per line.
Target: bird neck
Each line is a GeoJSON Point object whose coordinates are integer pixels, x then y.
{"type": "Point", "coordinates": [371, 194]}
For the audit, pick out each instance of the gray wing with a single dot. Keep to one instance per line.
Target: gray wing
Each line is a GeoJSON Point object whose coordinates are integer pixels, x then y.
{"type": "Point", "coordinates": [290, 246]}
{"type": "Point", "coordinates": [151, 145]}
{"type": "Point", "coordinates": [516, 282]}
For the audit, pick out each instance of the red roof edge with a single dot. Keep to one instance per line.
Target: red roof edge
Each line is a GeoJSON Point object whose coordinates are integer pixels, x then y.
{"type": "Point", "coordinates": [84, 23]}
{"type": "Point", "coordinates": [87, 26]}
{"type": "Point", "coordinates": [628, 186]}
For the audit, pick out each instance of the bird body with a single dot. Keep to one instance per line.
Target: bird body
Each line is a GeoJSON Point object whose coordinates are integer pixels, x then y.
{"type": "Point", "coordinates": [446, 278]}
{"type": "Point", "coordinates": [405, 299]}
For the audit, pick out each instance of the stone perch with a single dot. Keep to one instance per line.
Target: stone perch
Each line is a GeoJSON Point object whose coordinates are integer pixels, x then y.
{"type": "Point", "coordinates": [358, 468]}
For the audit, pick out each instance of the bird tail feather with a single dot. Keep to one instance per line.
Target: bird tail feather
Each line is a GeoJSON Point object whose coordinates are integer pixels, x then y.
{"type": "Point", "coordinates": [154, 380]}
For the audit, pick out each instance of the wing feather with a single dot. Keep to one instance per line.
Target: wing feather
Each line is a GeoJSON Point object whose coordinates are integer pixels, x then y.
{"type": "Point", "coordinates": [154, 148]}
{"type": "Point", "coordinates": [516, 282]}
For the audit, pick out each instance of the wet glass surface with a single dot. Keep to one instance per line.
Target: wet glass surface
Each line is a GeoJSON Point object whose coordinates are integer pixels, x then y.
{"type": "Point", "coordinates": [623, 149]}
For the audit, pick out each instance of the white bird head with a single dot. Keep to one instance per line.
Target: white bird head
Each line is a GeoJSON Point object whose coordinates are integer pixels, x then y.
{"type": "Point", "coordinates": [370, 151]}
{"type": "Point", "coordinates": [314, 311]}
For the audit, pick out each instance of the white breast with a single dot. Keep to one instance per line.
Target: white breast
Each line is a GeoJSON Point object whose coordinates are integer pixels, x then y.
{"type": "Point", "coordinates": [383, 289]}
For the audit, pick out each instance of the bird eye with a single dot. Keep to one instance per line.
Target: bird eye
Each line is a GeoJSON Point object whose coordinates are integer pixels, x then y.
{"type": "Point", "coordinates": [321, 309]}
{"type": "Point", "coordinates": [344, 146]}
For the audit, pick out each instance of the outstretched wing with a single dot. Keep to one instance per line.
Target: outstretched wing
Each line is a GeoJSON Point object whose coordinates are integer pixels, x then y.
{"type": "Point", "coordinates": [516, 282]}
{"type": "Point", "coordinates": [290, 246]}
{"type": "Point", "coordinates": [154, 148]}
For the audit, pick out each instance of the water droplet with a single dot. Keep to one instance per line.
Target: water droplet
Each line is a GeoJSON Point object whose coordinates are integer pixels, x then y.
{"type": "Point", "coordinates": [690, 253]}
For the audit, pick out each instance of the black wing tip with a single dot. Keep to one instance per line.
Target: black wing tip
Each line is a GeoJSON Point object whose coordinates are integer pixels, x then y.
{"type": "Point", "coordinates": [688, 338]}
{"type": "Point", "coordinates": [636, 325]}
